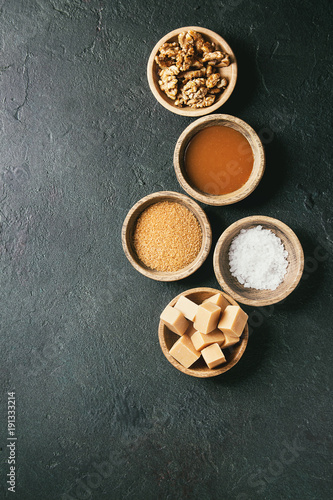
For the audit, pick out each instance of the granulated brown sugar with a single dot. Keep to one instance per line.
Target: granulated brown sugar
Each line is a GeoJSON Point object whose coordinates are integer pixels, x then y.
{"type": "Point", "coordinates": [167, 236]}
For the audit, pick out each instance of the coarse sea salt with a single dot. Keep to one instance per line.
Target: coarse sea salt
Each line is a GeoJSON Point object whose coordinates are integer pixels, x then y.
{"type": "Point", "coordinates": [258, 258]}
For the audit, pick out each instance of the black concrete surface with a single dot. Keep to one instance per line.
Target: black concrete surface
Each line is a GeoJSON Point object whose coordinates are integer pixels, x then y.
{"type": "Point", "coordinates": [100, 413]}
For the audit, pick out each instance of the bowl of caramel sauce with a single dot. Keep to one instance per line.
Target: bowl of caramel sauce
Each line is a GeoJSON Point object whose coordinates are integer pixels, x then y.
{"type": "Point", "coordinates": [219, 159]}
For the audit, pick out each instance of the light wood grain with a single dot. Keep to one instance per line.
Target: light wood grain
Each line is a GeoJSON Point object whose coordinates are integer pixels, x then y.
{"type": "Point", "coordinates": [129, 226]}
{"type": "Point", "coordinates": [199, 369]}
{"type": "Point", "coordinates": [251, 296]}
{"type": "Point", "coordinates": [229, 72]}
{"type": "Point", "coordinates": [248, 133]}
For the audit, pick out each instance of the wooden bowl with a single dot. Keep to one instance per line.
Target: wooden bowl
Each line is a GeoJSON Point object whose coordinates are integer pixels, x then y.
{"type": "Point", "coordinates": [248, 133]}
{"type": "Point", "coordinates": [229, 72]}
{"type": "Point", "coordinates": [129, 226]}
{"type": "Point", "coordinates": [199, 369]}
{"type": "Point", "coordinates": [251, 296]}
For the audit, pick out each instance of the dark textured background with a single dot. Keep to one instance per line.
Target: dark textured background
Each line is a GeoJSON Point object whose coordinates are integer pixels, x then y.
{"type": "Point", "coordinates": [101, 414]}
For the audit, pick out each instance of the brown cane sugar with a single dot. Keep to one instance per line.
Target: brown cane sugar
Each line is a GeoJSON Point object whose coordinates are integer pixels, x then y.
{"type": "Point", "coordinates": [167, 236]}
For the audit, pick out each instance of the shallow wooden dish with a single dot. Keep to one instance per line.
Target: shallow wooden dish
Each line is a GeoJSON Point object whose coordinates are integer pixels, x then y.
{"type": "Point", "coordinates": [129, 226]}
{"type": "Point", "coordinates": [251, 296]}
{"type": "Point", "coordinates": [199, 368]}
{"type": "Point", "coordinates": [229, 72]}
{"type": "Point", "coordinates": [248, 133]}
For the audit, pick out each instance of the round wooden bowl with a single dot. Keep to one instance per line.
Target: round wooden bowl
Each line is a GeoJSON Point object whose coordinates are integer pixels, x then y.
{"type": "Point", "coordinates": [229, 72]}
{"type": "Point", "coordinates": [129, 226]}
{"type": "Point", "coordinates": [199, 369]}
{"type": "Point", "coordinates": [252, 296]}
{"type": "Point", "coordinates": [226, 121]}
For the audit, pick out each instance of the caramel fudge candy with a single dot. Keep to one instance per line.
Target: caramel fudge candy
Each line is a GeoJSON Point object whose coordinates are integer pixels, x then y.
{"type": "Point", "coordinates": [174, 320]}
{"type": "Point", "coordinates": [229, 340]}
{"type": "Point", "coordinates": [218, 300]}
{"type": "Point", "coordinates": [202, 340]}
{"type": "Point", "coordinates": [233, 320]}
{"type": "Point", "coordinates": [207, 317]}
{"type": "Point", "coordinates": [187, 307]}
{"type": "Point", "coordinates": [184, 352]}
{"type": "Point", "coordinates": [213, 355]}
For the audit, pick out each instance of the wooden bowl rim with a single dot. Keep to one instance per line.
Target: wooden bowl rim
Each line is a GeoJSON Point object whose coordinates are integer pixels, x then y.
{"type": "Point", "coordinates": [246, 223]}
{"type": "Point", "coordinates": [258, 164]}
{"type": "Point", "coordinates": [194, 208]}
{"type": "Point", "coordinates": [208, 372]}
{"type": "Point", "coordinates": [165, 101]}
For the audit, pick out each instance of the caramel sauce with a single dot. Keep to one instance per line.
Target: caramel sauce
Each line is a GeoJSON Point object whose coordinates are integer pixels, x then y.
{"type": "Point", "coordinates": [218, 160]}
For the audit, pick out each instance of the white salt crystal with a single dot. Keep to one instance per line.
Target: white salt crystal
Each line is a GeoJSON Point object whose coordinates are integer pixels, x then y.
{"type": "Point", "coordinates": [258, 259]}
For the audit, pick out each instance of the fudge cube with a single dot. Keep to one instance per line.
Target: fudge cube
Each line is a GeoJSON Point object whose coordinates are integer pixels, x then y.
{"type": "Point", "coordinates": [207, 317]}
{"type": "Point", "coordinates": [202, 340]}
{"type": "Point", "coordinates": [213, 355]}
{"type": "Point", "coordinates": [229, 339]}
{"type": "Point", "coordinates": [184, 352]}
{"type": "Point", "coordinates": [233, 320]}
{"type": "Point", "coordinates": [218, 300]}
{"type": "Point", "coordinates": [174, 320]}
{"type": "Point", "coordinates": [187, 307]}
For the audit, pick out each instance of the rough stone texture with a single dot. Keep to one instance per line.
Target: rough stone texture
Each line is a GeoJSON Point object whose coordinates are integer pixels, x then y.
{"type": "Point", "coordinates": [101, 414]}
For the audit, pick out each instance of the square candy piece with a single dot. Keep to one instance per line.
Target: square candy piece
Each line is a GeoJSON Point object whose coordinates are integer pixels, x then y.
{"type": "Point", "coordinates": [213, 355]}
{"type": "Point", "coordinates": [184, 352]}
{"type": "Point", "coordinates": [207, 317]}
{"type": "Point", "coordinates": [229, 340]}
{"type": "Point", "coordinates": [202, 340]}
{"type": "Point", "coordinates": [174, 320]}
{"type": "Point", "coordinates": [187, 307]}
{"type": "Point", "coordinates": [233, 320]}
{"type": "Point", "coordinates": [218, 300]}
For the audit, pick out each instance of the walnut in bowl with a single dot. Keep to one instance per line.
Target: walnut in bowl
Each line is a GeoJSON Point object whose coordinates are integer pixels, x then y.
{"type": "Point", "coordinates": [192, 71]}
